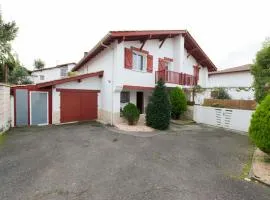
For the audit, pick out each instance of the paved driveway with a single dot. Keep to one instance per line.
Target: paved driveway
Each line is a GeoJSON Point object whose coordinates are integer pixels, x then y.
{"type": "Point", "coordinates": [88, 161]}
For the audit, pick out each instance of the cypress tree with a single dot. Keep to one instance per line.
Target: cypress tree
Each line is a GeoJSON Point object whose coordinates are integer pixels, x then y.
{"type": "Point", "coordinates": [158, 112]}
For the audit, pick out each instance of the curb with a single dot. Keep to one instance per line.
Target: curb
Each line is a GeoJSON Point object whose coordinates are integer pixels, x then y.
{"type": "Point", "coordinates": [252, 176]}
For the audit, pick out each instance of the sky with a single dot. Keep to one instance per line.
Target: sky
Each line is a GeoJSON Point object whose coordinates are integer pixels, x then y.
{"type": "Point", "coordinates": [59, 31]}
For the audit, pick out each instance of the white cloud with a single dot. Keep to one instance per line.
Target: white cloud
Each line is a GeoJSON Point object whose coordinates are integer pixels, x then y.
{"type": "Point", "coordinates": [230, 32]}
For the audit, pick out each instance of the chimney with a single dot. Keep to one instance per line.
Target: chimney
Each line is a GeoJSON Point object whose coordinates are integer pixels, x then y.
{"type": "Point", "coordinates": [85, 53]}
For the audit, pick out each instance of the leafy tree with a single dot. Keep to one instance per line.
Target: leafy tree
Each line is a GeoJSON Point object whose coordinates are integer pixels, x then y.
{"type": "Point", "coordinates": [131, 113]}
{"type": "Point", "coordinates": [39, 64]}
{"type": "Point", "coordinates": [158, 111]}
{"type": "Point", "coordinates": [19, 75]}
{"type": "Point", "coordinates": [259, 130]}
{"type": "Point", "coordinates": [261, 71]}
{"type": "Point", "coordinates": [178, 102]}
{"type": "Point", "coordinates": [8, 32]}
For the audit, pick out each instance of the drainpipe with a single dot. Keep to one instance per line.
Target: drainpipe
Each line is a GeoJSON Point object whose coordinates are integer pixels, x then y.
{"type": "Point", "coordinates": [112, 81]}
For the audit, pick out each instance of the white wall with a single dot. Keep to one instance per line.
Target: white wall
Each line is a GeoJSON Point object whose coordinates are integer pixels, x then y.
{"type": "Point", "coordinates": [49, 74]}
{"type": "Point", "coordinates": [5, 108]}
{"type": "Point", "coordinates": [103, 61]}
{"type": "Point", "coordinates": [216, 117]}
{"type": "Point", "coordinates": [235, 93]}
{"type": "Point", "coordinates": [92, 83]}
{"type": "Point", "coordinates": [236, 79]}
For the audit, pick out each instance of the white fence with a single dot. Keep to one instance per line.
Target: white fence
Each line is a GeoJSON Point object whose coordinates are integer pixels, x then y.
{"type": "Point", "coordinates": [5, 105]}
{"type": "Point", "coordinates": [223, 117]}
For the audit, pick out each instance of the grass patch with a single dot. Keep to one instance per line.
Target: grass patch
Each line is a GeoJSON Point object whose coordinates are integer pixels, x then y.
{"type": "Point", "coordinates": [247, 166]}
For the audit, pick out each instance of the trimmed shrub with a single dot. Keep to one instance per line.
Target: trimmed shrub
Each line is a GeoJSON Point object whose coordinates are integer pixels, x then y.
{"type": "Point", "coordinates": [178, 102]}
{"type": "Point", "coordinates": [259, 130]}
{"type": "Point", "coordinates": [220, 93]}
{"type": "Point", "coordinates": [131, 113]}
{"type": "Point", "coordinates": [158, 111]}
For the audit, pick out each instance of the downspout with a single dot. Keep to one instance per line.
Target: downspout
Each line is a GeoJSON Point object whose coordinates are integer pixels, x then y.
{"type": "Point", "coordinates": [112, 81]}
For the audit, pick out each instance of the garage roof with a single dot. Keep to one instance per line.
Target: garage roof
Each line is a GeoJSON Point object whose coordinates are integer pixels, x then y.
{"type": "Point", "coordinates": [190, 44]}
{"type": "Point", "coordinates": [69, 79]}
{"type": "Point", "coordinates": [241, 68]}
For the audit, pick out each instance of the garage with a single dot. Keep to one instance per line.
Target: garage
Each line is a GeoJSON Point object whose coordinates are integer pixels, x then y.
{"type": "Point", "coordinates": [71, 99]}
{"type": "Point", "coordinates": [78, 105]}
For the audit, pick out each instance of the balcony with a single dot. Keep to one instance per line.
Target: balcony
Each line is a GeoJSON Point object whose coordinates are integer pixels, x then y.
{"type": "Point", "coordinates": [176, 78]}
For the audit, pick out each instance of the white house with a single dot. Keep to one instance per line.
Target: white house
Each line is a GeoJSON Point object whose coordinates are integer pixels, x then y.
{"type": "Point", "coordinates": [123, 67]}
{"type": "Point", "coordinates": [51, 73]}
{"type": "Point", "coordinates": [133, 61]}
{"type": "Point", "coordinates": [237, 81]}
{"type": "Point", "coordinates": [231, 77]}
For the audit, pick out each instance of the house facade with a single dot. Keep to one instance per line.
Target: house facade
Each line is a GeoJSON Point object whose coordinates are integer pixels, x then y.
{"type": "Point", "coordinates": [133, 61]}
{"type": "Point", "coordinates": [51, 73]}
{"type": "Point", "coordinates": [123, 67]}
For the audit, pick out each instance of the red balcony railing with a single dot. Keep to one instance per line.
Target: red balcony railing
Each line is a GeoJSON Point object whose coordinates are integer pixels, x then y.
{"type": "Point", "coordinates": [176, 78]}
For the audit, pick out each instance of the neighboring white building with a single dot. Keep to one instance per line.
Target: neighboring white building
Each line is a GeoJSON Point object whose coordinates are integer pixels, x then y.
{"type": "Point", "coordinates": [237, 81]}
{"type": "Point", "coordinates": [232, 77]}
{"type": "Point", "coordinates": [51, 73]}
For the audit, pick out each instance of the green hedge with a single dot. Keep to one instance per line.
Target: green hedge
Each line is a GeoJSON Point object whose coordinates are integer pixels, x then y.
{"type": "Point", "coordinates": [259, 130]}
{"type": "Point", "coordinates": [178, 102]}
{"type": "Point", "coordinates": [131, 113]}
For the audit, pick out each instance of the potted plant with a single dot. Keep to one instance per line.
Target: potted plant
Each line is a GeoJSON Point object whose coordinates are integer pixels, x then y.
{"type": "Point", "coordinates": [131, 113]}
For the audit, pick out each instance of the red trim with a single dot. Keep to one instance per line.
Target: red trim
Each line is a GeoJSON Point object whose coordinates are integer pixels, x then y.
{"type": "Point", "coordinates": [69, 79]}
{"type": "Point", "coordinates": [28, 102]}
{"type": "Point", "coordinates": [168, 59]}
{"type": "Point", "coordinates": [145, 33]}
{"type": "Point", "coordinates": [139, 50]}
{"type": "Point", "coordinates": [75, 90]}
{"type": "Point", "coordinates": [133, 87]}
{"type": "Point", "coordinates": [14, 94]}
{"type": "Point", "coordinates": [29, 89]}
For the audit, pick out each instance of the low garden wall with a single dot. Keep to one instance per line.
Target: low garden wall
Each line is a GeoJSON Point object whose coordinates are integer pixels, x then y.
{"type": "Point", "coordinates": [231, 103]}
{"type": "Point", "coordinates": [5, 105]}
{"type": "Point", "coordinates": [234, 119]}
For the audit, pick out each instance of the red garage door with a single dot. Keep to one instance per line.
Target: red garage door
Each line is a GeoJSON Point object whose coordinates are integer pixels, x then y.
{"type": "Point", "coordinates": [78, 105]}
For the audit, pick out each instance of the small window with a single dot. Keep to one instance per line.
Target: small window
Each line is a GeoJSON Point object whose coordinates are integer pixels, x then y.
{"type": "Point", "coordinates": [42, 77]}
{"type": "Point", "coordinates": [124, 97]}
{"type": "Point", "coordinates": [139, 61]}
{"type": "Point", "coordinates": [63, 71]}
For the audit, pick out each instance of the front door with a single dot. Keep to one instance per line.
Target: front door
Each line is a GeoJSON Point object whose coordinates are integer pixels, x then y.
{"type": "Point", "coordinates": [140, 101]}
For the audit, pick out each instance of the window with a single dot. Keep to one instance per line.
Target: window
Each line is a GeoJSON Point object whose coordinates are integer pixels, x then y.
{"type": "Point", "coordinates": [63, 71]}
{"type": "Point", "coordinates": [124, 97]}
{"type": "Point", "coordinates": [139, 61]}
{"type": "Point", "coordinates": [41, 77]}
{"type": "Point", "coordinates": [169, 65]}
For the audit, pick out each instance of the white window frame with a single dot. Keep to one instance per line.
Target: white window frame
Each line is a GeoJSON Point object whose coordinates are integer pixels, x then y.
{"type": "Point", "coordinates": [170, 65]}
{"type": "Point", "coordinates": [135, 66]}
{"type": "Point", "coordinates": [41, 78]}
{"type": "Point", "coordinates": [64, 68]}
{"type": "Point", "coordinates": [30, 100]}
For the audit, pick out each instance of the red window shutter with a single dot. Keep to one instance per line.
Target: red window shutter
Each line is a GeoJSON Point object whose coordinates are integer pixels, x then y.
{"type": "Point", "coordinates": [128, 58]}
{"type": "Point", "coordinates": [196, 74]}
{"type": "Point", "coordinates": [149, 63]}
{"type": "Point", "coordinates": [161, 64]}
